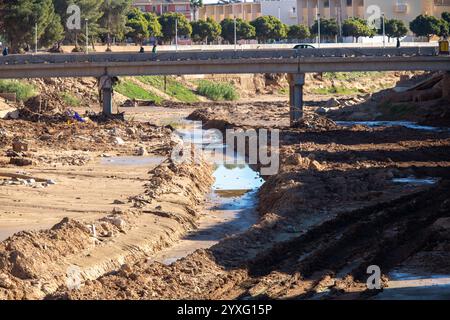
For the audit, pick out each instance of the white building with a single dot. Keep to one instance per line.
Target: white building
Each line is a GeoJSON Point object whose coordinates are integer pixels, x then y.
{"type": "Point", "coordinates": [285, 10]}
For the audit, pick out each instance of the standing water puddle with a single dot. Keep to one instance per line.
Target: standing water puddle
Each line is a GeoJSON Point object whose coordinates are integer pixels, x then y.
{"type": "Point", "coordinates": [230, 206]}
{"type": "Point", "coordinates": [406, 124]}
{"type": "Point", "coordinates": [408, 286]}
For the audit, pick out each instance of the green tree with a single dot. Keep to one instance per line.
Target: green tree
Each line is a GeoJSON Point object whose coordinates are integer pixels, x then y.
{"type": "Point", "coordinates": [90, 11]}
{"type": "Point", "coordinates": [167, 21]}
{"type": "Point", "coordinates": [328, 28]}
{"type": "Point", "coordinates": [195, 5]}
{"type": "Point", "coordinates": [444, 28]}
{"type": "Point", "coordinates": [154, 27]}
{"type": "Point", "coordinates": [269, 27]}
{"type": "Point", "coordinates": [137, 26]}
{"type": "Point", "coordinates": [20, 17]}
{"type": "Point", "coordinates": [299, 32]}
{"type": "Point", "coordinates": [446, 16]}
{"type": "Point", "coordinates": [244, 30]}
{"type": "Point", "coordinates": [394, 28]}
{"type": "Point", "coordinates": [357, 27]}
{"type": "Point", "coordinates": [114, 19]}
{"type": "Point", "coordinates": [425, 26]}
{"type": "Point", "coordinates": [208, 30]}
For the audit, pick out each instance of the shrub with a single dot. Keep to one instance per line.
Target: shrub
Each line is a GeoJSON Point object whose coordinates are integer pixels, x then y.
{"type": "Point", "coordinates": [217, 91]}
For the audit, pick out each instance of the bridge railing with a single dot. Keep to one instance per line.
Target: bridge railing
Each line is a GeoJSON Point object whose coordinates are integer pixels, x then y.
{"type": "Point", "coordinates": [214, 55]}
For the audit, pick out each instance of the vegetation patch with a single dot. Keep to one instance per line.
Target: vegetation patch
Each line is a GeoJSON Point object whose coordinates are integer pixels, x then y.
{"type": "Point", "coordinates": [352, 76]}
{"type": "Point", "coordinates": [217, 91]}
{"type": "Point", "coordinates": [173, 88]}
{"type": "Point", "coordinates": [23, 90]}
{"type": "Point", "coordinates": [70, 99]}
{"type": "Point", "coordinates": [133, 91]}
{"type": "Point", "coordinates": [336, 90]}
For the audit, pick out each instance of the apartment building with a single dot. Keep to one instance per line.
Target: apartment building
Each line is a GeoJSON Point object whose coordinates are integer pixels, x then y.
{"type": "Point", "coordinates": [405, 10]}
{"type": "Point", "coordinates": [159, 7]}
{"type": "Point", "coordinates": [243, 10]}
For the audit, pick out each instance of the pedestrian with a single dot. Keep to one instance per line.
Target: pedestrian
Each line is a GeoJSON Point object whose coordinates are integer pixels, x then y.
{"type": "Point", "coordinates": [5, 51]}
{"type": "Point", "coordinates": [398, 42]}
{"type": "Point", "coordinates": [141, 50]}
{"type": "Point", "coordinates": [154, 47]}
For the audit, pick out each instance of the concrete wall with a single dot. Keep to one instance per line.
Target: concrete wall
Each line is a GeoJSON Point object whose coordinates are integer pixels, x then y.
{"type": "Point", "coordinates": [287, 10]}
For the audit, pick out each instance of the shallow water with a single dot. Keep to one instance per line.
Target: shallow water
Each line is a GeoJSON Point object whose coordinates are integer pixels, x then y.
{"type": "Point", "coordinates": [132, 160]}
{"type": "Point", "coordinates": [406, 124]}
{"type": "Point", "coordinates": [416, 286]}
{"type": "Point", "coordinates": [230, 208]}
{"type": "Point", "coordinates": [416, 181]}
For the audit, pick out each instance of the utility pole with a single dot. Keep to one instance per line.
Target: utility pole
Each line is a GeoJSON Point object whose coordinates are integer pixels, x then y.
{"type": "Point", "coordinates": [176, 34]}
{"type": "Point", "coordinates": [384, 30]}
{"type": "Point", "coordinates": [87, 35]}
{"type": "Point", "coordinates": [36, 38]}
{"type": "Point", "coordinates": [318, 30]}
{"type": "Point", "coordinates": [279, 13]}
{"type": "Point", "coordinates": [235, 34]}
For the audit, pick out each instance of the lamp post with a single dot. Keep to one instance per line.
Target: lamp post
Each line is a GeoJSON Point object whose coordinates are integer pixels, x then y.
{"type": "Point", "coordinates": [384, 29]}
{"type": "Point", "coordinates": [36, 38]}
{"type": "Point", "coordinates": [318, 30]}
{"type": "Point", "coordinates": [176, 34]}
{"type": "Point", "coordinates": [87, 35]}
{"type": "Point", "coordinates": [235, 34]}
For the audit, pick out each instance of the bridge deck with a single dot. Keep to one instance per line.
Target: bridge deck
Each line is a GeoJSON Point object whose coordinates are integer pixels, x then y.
{"type": "Point", "coordinates": [198, 62]}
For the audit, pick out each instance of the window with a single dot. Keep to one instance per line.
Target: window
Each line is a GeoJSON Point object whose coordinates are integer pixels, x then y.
{"type": "Point", "coordinates": [326, 4]}
{"type": "Point", "coordinates": [349, 3]}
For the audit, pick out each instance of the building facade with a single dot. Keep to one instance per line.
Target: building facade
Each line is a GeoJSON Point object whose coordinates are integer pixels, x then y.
{"type": "Point", "coordinates": [245, 10]}
{"type": "Point", "coordinates": [159, 7]}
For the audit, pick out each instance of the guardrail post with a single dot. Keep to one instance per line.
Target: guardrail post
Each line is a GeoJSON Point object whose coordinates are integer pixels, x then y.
{"type": "Point", "coordinates": [106, 87]}
{"type": "Point", "coordinates": [296, 82]}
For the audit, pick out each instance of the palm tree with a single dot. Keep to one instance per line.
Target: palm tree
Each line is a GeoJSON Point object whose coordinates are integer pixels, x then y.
{"type": "Point", "coordinates": [195, 4]}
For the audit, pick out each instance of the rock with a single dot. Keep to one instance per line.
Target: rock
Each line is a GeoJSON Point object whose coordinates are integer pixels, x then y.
{"type": "Point", "coordinates": [51, 182]}
{"type": "Point", "coordinates": [118, 202]}
{"type": "Point", "coordinates": [333, 102]}
{"type": "Point", "coordinates": [20, 146]}
{"type": "Point", "coordinates": [118, 141]}
{"type": "Point", "coordinates": [315, 165]}
{"type": "Point", "coordinates": [5, 281]}
{"type": "Point", "coordinates": [141, 151]}
{"type": "Point", "coordinates": [118, 222]}
{"type": "Point", "coordinates": [21, 162]}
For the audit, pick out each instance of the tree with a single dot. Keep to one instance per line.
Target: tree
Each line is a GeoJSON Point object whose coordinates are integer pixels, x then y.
{"type": "Point", "coordinates": [446, 16]}
{"type": "Point", "coordinates": [328, 28]}
{"type": "Point", "coordinates": [167, 21]}
{"type": "Point", "coordinates": [114, 19]}
{"type": "Point", "coordinates": [394, 28]}
{"type": "Point", "coordinates": [425, 26]}
{"type": "Point", "coordinates": [195, 5]}
{"type": "Point", "coordinates": [137, 25]}
{"type": "Point", "coordinates": [269, 27]}
{"type": "Point", "coordinates": [357, 27]}
{"type": "Point", "coordinates": [153, 25]}
{"type": "Point", "coordinates": [299, 32]}
{"type": "Point", "coordinates": [208, 30]}
{"type": "Point", "coordinates": [444, 27]}
{"type": "Point", "coordinates": [244, 30]}
{"type": "Point", "coordinates": [90, 11]}
{"type": "Point", "coordinates": [20, 17]}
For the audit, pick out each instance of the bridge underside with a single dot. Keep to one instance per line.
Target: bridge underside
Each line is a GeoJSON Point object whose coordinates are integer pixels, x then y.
{"type": "Point", "coordinates": [293, 62]}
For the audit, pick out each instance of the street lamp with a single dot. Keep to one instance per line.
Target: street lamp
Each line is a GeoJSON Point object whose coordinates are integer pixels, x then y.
{"type": "Point", "coordinates": [279, 13]}
{"type": "Point", "coordinates": [87, 35]}
{"type": "Point", "coordinates": [235, 34]}
{"type": "Point", "coordinates": [176, 34]}
{"type": "Point", "coordinates": [318, 30]}
{"type": "Point", "coordinates": [36, 38]}
{"type": "Point", "coordinates": [384, 30]}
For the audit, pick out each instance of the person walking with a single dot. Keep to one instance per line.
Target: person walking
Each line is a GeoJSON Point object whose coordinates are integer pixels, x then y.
{"type": "Point", "coordinates": [142, 50]}
{"type": "Point", "coordinates": [154, 48]}
{"type": "Point", "coordinates": [398, 43]}
{"type": "Point", "coordinates": [5, 51]}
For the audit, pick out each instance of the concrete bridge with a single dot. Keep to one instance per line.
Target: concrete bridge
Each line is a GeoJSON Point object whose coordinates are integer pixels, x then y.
{"type": "Point", "coordinates": [106, 66]}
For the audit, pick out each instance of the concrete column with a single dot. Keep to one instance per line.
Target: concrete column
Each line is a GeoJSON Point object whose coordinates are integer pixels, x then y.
{"type": "Point", "coordinates": [106, 87]}
{"type": "Point", "coordinates": [296, 82]}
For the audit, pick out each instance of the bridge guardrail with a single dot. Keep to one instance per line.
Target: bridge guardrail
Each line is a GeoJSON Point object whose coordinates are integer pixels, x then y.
{"type": "Point", "coordinates": [214, 55]}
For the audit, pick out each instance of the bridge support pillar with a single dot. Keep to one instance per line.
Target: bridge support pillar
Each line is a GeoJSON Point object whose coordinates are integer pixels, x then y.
{"type": "Point", "coordinates": [296, 82]}
{"type": "Point", "coordinates": [106, 87]}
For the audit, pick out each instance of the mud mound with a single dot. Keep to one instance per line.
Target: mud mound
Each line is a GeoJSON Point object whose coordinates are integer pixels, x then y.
{"type": "Point", "coordinates": [44, 107]}
{"type": "Point", "coordinates": [312, 121]}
